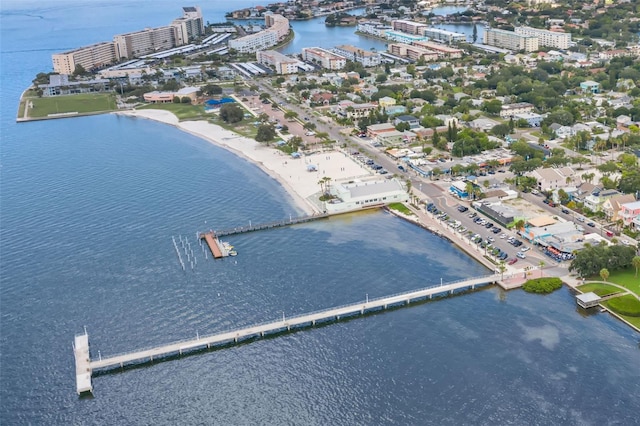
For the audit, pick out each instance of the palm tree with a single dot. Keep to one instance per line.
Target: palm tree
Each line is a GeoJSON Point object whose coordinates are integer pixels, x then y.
{"type": "Point", "coordinates": [636, 264]}
{"type": "Point", "coordinates": [604, 274]}
{"type": "Point", "coordinates": [502, 268]}
{"type": "Point", "coordinates": [541, 265]}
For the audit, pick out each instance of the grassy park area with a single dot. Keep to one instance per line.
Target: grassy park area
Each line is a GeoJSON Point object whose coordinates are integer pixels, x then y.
{"type": "Point", "coordinates": [184, 112]}
{"type": "Point", "coordinates": [401, 208]}
{"type": "Point", "coordinates": [627, 307]}
{"type": "Point", "coordinates": [626, 278]}
{"type": "Point", "coordinates": [599, 289]}
{"type": "Point", "coordinates": [81, 103]}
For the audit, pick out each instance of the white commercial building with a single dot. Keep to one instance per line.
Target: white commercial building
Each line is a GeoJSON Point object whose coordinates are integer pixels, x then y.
{"type": "Point", "coordinates": [363, 195]}
{"type": "Point", "coordinates": [324, 58]}
{"type": "Point", "coordinates": [510, 40]}
{"type": "Point", "coordinates": [356, 54]}
{"type": "Point", "coordinates": [547, 38]}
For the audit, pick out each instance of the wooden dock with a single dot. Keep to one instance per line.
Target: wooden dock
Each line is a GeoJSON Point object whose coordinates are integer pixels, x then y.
{"type": "Point", "coordinates": [85, 366]}
{"type": "Point", "coordinates": [214, 244]}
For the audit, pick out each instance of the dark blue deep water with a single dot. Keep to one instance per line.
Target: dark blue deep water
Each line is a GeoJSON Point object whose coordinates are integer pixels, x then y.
{"type": "Point", "coordinates": [88, 207]}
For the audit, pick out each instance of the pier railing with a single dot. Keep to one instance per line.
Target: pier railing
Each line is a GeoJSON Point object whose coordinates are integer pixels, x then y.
{"type": "Point", "coordinates": [278, 323]}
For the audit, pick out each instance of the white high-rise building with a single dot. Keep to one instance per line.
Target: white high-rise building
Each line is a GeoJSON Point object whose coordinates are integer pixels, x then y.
{"type": "Point", "coordinates": [277, 30]}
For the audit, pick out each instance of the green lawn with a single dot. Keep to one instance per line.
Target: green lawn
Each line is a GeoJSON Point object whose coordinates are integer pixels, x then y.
{"type": "Point", "coordinates": [626, 306]}
{"type": "Point", "coordinates": [625, 278]}
{"type": "Point", "coordinates": [184, 112]}
{"type": "Point", "coordinates": [401, 208]}
{"type": "Point", "coordinates": [599, 289]}
{"type": "Point", "coordinates": [82, 103]}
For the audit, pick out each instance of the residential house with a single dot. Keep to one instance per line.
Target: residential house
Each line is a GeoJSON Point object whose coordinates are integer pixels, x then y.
{"type": "Point", "coordinates": [612, 206]}
{"type": "Point", "coordinates": [630, 214]}
{"type": "Point", "coordinates": [483, 124]}
{"type": "Point", "coordinates": [532, 119]}
{"type": "Point", "coordinates": [413, 122]}
{"type": "Point", "coordinates": [590, 86]}
{"type": "Point", "coordinates": [595, 201]}
{"type": "Point", "coordinates": [552, 178]}
{"type": "Point", "coordinates": [386, 101]}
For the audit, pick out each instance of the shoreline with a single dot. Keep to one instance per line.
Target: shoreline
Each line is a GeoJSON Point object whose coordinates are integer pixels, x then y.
{"type": "Point", "coordinates": [292, 174]}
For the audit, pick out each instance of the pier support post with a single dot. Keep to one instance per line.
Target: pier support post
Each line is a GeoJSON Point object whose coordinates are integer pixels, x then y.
{"type": "Point", "coordinates": [262, 334]}
{"type": "Point", "coordinates": [337, 317]}
{"type": "Point", "coordinates": [288, 328]}
{"type": "Point", "coordinates": [313, 322]}
{"type": "Point", "coordinates": [431, 296]}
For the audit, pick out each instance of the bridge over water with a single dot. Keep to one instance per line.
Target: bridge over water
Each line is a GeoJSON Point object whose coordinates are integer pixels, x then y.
{"type": "Point", "coordinates": [85, 365]}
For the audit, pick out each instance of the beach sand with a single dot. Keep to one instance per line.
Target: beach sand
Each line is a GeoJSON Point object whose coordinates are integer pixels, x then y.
{"type": "Point", "coordinates": [292, 174]}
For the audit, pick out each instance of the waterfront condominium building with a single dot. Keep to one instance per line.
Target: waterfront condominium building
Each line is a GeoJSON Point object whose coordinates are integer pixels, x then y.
{"type": "Point", "coordinates": [401, 37]}
{"type": "Point", "coordinates": [547, 38]}
{"type": "Point", "coordinates": [443, 36]}
{"type": "Point", "coordinates": [89, 57]}
{"type": "Point", "coordinates": [409, 27]}
{"type": "Point", "coordinates": [150, 40]}
{"type": "Point", "coordinates": [324, 58]}
{"type": "Point", "coordinates": [442, 51]}
{"type": "Point", "coordinates": [282, 63]}
{"type": "Point", "coordinates": [413, 52]}
{"type": "Point", "coordinates": [189, 26]}
{"type": "Point", "coordinates": [356, 54]}
{"type": "Point", "coordinates": [277, 30]}
{"type": "Point", "coordinates": [510, 40]}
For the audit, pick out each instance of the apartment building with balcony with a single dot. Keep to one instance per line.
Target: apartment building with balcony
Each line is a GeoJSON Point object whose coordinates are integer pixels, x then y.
{"type": "Point", "coordinates": [366, 57]}
{"type": "Point", "coordinates": [554, 39]}
{"type": "Point", "coordinates": [510, 40]}
{"type": "Point", "coordinates": [324, 58]}
{"type": "Point", "coordinates": [89, 57]}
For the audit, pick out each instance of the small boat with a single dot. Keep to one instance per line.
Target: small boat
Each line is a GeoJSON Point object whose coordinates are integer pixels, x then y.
{"type": "Point", "coordinates": [233, 253]}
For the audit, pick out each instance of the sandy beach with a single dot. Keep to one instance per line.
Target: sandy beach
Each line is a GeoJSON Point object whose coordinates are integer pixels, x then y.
{"type": "Point", "coordinates": [292, 174]}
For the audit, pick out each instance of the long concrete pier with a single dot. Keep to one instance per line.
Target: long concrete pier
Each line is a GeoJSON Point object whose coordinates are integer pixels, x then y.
{"type": "Point", "coordinates": [85, 366]}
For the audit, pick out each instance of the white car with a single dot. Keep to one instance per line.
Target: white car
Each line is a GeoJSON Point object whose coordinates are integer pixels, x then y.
{"type": "Point", "coordinates": [310, 133]}
{"type": "Point", "coordinates": [525, 249]}
{"type": "Point", "coordinates": [521, 255]}
{"type": "Point", "coordinates": [503, 236]}
{"type": "Point", "coordinates": [491, 239]}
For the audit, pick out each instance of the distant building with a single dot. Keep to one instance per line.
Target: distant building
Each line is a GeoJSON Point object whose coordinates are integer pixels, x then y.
{"type": "Point", "coordinates": [277, 30]}
{"type": "Point", "coordinates": [443, 36]}
{"type": "Point", "coordinates": [441, 50]}
{"type": "Point", "coordinates": [356, 54]}
{"type": "Point", "coordinates": [282, 63]}
{"type": "Point", "coordinates": [510, 40]}
{"type": "Point", "coordinates": [590, 86]}
{"type": "Point", "coordinates": [89, 57]}
{"type": "Point", "coordinates": [324, 58]}
{"type": "Point", "coordinates": [157, 97]}
{"type": "Point", "coordinates": [557, 40]}
{"type": "Point", "coordinates": [630, 214]}
{"type": "Point", "coordinates": [144, 42]}
{"type": "Point", "coordinates": [532, 119]}
{"type": "Point", "coordinates": [373, 28]}
{"type": "Point", "coordinates": [510, 110]}
{"type": "Point", "coordinates": [409, 27]}
{"type": "Point", "coordinates": [404, 37]}
{"type": "Point", "coordinates": [414, 52]}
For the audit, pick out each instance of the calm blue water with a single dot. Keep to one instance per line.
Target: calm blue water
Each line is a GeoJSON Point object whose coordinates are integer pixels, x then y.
{"type": "Point", "coordinates": [88, 208]}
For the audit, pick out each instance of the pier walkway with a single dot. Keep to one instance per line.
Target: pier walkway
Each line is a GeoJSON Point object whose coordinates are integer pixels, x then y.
{"type": "Point", "coordinates": [84, 365]}
{"type": "Point", "coordinates": [269, 225]}
{"type": "Point", "coordinates": [212, 242]}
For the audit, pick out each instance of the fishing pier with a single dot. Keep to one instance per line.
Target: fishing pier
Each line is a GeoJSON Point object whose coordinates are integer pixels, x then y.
{"type": "Point", "coordinates": [85, 365]}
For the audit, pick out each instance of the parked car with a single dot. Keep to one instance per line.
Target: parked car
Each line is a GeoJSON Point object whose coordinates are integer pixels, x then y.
{"type": "Point", "coordinates": [565, 211]}
{"type": "Point", "coordinates": [525, 249]}
{"type": "Point", "coordinates": [503, 256]}
{"type": "Point", "coordinates": [591, 224]}
{"type": "Point", "coordinates": [521, 255]}
{"type": "Point", "coordinates": [513, 260]}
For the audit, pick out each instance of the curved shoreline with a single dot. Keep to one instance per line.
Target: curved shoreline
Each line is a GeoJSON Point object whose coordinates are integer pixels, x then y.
{"type": "Point", "coordinates": [240, 146]}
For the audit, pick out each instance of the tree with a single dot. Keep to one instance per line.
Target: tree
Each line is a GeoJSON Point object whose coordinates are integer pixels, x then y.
{"type": "Point", "coordinates": [502, 268]}
{"type": "Point", "coordinates": [492, 107]}
{"type": "Point", "coordinates": [79, 71]}
{"type": "Point", "coordinates": [265, 133]}
{"type": "Point", "coordinates": [474, 35]}
{"type": "Point", "coordinates": [185, 100]}
{"type": "Point", "coordinates": [636, 264]}
{"type": "Point", "coordinates": [541, 265]}
{"type": "Point", "coordinates": [176, 99]}
{"type": "Point", "coordinates": [604, 274]}
{"type": "Point", "coordinates": [231, 113]}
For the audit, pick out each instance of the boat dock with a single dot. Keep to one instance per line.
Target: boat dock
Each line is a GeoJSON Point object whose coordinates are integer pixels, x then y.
{"type": "Point", "coordinates": [83, 363]}
{"type": "Point", "coordinates": [85, 366]}
{"type": "Point", "coordinates": [217, 251]}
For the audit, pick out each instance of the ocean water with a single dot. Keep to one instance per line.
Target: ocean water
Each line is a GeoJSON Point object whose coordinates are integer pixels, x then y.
{"type": "Point", "coordinates": [88, 207]}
